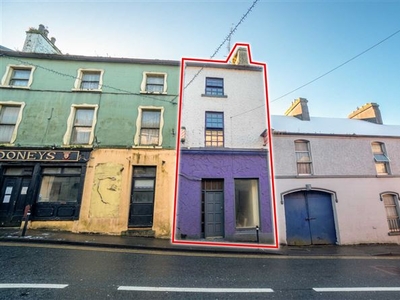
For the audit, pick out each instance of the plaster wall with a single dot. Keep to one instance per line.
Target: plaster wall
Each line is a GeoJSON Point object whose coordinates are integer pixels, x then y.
{"type": "Point", "coordinates": [243, 107]}
{"type": "Point", "coordinates": [106, 196]}
{"type": "Point", "coordinates": [195, 167]}
{"type": "Point", "coordinates": [36, 43]}
{"type": "Point", "coordinates": [359, 213]}
{"type": "Point", "coordinates": [339, 156]}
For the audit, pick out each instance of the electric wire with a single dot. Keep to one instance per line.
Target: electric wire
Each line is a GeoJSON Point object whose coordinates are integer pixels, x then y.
{"type": "Point", "coordinates": [326, 73]}
{"type": "Point", "coordinates": [103, 85]}
{"type": "Point", "coordinates": [232, 31]}
{"type": "Point", "coordinates": [339, 66]}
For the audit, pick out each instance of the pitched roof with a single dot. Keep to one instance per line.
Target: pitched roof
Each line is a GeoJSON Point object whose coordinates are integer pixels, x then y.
{"type": "Point", "coordinates": [331, 126]}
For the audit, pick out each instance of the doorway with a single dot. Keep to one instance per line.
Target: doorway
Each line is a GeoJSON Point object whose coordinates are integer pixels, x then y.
{"type": "Point", "coordinates": [309, 218]}
{"type": "Point", "coordinates": [13, 196]}
{"type": "Point", "coordinates": [213, 208]}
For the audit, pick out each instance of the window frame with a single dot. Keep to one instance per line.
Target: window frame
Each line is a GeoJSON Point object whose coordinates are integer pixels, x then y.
{"type": "Point", "coordinates": [299, 162]}
{"type": "Point", "coordinates": [209, 88]}
{"type": "Point", "coordinates": [257, 203]}
{"type": "Point", "coordinates": [390, 220]}
{"type": "Point", "coordinates": [383, 160]}
{"type": "Point", "coordinates": [214, 130]}
{"type": "Point", "coordinates": [79, 80]}
{"type": "Point", "coordinates": [137, 137]}
{"type": "Point", "coordinates": [71, 120]}
{"type": "Point", "coordinates": [8, 76]}
{"type": "Point", "coordinates": [143, 85]}
{"type": "Point", "coordinates": [21, 106]}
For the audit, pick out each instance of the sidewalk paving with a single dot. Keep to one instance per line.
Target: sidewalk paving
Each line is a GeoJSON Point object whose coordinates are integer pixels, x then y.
{"type": "Point", "coordinates": [142, 243]}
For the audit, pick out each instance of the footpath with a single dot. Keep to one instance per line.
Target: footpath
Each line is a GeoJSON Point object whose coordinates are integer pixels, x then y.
{"type": "Point", "coordinates": [13, 235]}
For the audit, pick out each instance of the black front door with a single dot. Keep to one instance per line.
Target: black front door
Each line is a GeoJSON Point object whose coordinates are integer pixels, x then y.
{"type": "Point", "coordinates": [142, 197]}
{"type": "Point", "coordinates": [13, 200]}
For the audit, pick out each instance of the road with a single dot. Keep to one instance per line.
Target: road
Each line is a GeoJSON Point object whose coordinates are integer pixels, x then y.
{"type": "Point", "coordinates": [67, 272]}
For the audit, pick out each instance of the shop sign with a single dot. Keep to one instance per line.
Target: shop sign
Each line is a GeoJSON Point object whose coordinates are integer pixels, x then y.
{"type": "Point", "coordinates": [38, 155]}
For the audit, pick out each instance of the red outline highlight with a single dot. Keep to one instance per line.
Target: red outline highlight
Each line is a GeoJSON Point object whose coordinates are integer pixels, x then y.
{"type": "Point", "coordinates": [271, 165]}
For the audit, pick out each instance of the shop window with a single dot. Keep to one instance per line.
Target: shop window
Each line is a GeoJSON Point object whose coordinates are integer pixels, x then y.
{"type": "Point", "coordinates": [10, 117]}
{"type": "Point", "coordinates": [60, 185]}
{"type": "Point", "coordinates": [149, 126]}
{"type": "Point", "coordinates": [214, 86]}
{"type": "Point", "coordinates": [89, 80]}
{"type": "Point", "coordinates": [381, 159]}
{"type": "Point", "coordinates": [391, 202]}
{"type": "Point", "coordinates": [214, 129]}
{"type": "Point", "coordinates": [153, 82]}
{"type": "Point", "coordinates": [18, 76]}
{"type": "Point", "coordinates": [81, 124]}
{"type": "Point", "coordinates": [247, 203]}
{"type": "Point", "coordinates": [303, 157]}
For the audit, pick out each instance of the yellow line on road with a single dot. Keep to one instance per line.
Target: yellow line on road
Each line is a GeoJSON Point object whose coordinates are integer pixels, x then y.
{"type": "Point", "coordinates": [196, 254]}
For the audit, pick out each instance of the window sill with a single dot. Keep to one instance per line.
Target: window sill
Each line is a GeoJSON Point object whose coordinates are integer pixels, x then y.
{"type": "Point", "coordinates": [82, 90]}
{"type": "Point", "coordinates": [77, 146]}
{"type": "Point", "coordinates": [15, 87]}
{"type": "Point", "coordinates": [146, 147]}
{"type": "Point", "coordinates": [153, 93]}
{"type": "Point", "coordinates": [214, 96]}
{"type": "Point", "coordinates": [394, 233]}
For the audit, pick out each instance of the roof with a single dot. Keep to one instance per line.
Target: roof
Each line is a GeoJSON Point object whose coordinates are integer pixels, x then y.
{"type": "Point", "coordinates": [2, 48]}
{"type": "Point", "coordinates": [67, 57]}
{"type": "Point", "coordinates": [331, 126]}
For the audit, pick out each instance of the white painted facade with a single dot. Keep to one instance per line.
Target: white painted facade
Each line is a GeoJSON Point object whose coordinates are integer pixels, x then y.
{"type": "Point", "coordinates": [243, 105]}
{"type": "Point", "coordinates": [343, 165]}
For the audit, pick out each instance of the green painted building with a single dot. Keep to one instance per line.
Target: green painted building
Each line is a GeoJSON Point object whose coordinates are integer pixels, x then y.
{"type": "Point", "coordinates": [88, 142]}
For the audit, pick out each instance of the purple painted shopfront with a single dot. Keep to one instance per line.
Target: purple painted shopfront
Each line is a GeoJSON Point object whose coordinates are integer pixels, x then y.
{"type": "Point", "coordinates": [224, 194]}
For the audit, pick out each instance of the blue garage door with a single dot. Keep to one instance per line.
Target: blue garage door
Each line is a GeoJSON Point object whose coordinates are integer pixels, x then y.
{"type": "Point", "coordinates": [309, 219]}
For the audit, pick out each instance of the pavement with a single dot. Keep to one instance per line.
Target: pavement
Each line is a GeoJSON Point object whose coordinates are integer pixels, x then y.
{"type": "Point", "coordinates": [36, 236]}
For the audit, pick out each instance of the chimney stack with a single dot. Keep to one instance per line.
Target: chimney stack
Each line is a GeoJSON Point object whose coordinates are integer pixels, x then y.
{"type": "Point", "coordinates": [369, 112]}
{"type": "Point", "coordinates": [241, 57]}
{"type": "Point", "coordinates": [299, 109]}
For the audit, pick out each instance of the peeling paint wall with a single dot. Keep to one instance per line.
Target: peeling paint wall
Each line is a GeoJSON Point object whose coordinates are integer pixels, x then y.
{"type": "Point", "coordinates": [106, 197]}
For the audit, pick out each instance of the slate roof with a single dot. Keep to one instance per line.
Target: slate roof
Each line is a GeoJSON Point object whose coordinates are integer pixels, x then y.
{"type": "Point", "coordinates": [331, 126]}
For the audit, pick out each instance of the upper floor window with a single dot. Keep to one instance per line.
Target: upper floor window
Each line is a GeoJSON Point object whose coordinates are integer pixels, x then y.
{"type": "Point", "coordinates": [392, 211]}
{"type": "Point", "coordinates": [214, 86]}
{"type": "Point", "coordinates": [149, 126]}
{"type": "Point", "coordinates": [81, 123]}
{"type": "Point", "coordinates": [214, 129]}
{"type": "Point", "coordinates": [18, 76]}
{"type": "Point", "coordinates": [154, 83]}
{"type": "Point", "coordinates": [10, 116]}
{"type": "Point", "coordinates": [303, 157]}
{"type": "Point", "coordinates": [381, 158]}
{"type": "Point", "coordinates": [89, 80]}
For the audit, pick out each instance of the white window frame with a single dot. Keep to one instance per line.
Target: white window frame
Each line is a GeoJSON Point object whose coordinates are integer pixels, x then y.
{"type": "Point", "coordinates": [393, 223]}
{"type": "Point", "coordinates": [21, 105]}
{"type": "Point", "coordinates": [377, 161]}
{"type": "Point", "coordinates": [5, 81]}
{"type": "Point", "coordinates": [136, 140]}
{"type": "Point", "coordinates": [78, 80]}
{"type": "Point", "coordinates": [144, 82]}
{"type": "Point", "coordinates": [70, 124]}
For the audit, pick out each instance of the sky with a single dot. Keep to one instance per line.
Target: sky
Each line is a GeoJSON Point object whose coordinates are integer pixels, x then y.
{"type": "Point", "coordinates": [298, 40]}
